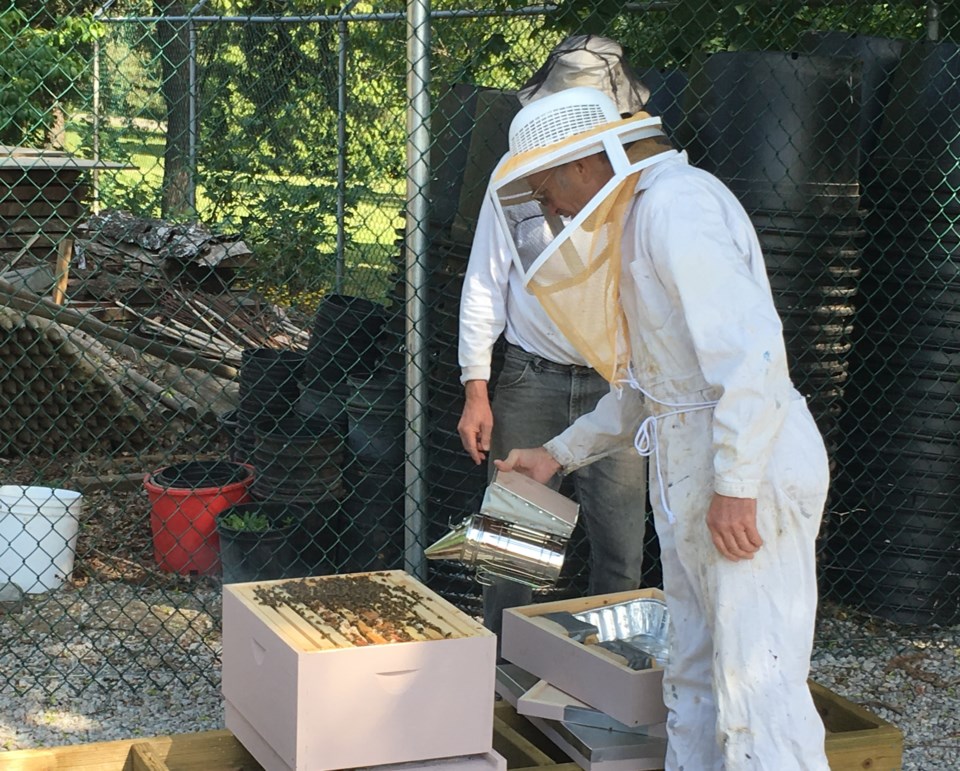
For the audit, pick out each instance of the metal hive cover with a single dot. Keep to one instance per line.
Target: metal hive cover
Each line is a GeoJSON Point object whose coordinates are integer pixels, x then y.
{"type": "Point", "coordinates": [642, 622]}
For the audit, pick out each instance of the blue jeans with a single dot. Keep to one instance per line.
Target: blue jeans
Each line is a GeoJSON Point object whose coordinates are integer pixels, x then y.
{"type": "Point", "coordinates": [534, 400]}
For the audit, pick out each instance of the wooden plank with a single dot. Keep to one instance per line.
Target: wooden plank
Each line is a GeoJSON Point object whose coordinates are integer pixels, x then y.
{"type": "Point", "coordinates": [516, 748]}
{"type": "Point", "coordinates": [30, 226]}
{"type": "Point", "coordinates": [324, 635]}
{"type": "Point", "coordinates": [64, 258]}
{"type": "Point", "coordinates": [879, 748]}
{"type": "Point", "coordinates": [15, 243]}
{"type": "Point", "coordinates": [26, 248]}
{"type": "Point", "coordinates": [40, 209]}
{"type": "Point", "coordinates": [839, 714]}
{"type": "Point", "coordinates": [115, 482]}
{"type": "Point", "coordinates": [856, 738]}
{"type": "Point", "coordinates": [99, 756]}
{"type": "Point", "coordinates": [143, 758]}
{"type": "Point", "coordinates": [415, 634]}
{"type": "Point", "coordinates": [53, 192]}
{"type": "Point", "coordinates": [555, 767]}
{"type": "Point", "coordinates": [877, 751]}
{"type": "Point", "coordinates": [206, 751]}
{"type": "Point", "coordinates": [443, 625]}
{"type": "Point", "coordinates": [39, 176]}
{"type": "Point", "coordinates": [505, 715]}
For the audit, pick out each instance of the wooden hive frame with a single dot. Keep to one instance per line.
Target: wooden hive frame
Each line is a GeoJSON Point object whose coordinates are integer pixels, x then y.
{"type": "Point", "coordinates": [308, 631]}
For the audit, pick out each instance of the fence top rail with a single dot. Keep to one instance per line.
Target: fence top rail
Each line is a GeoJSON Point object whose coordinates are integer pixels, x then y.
{"type": "Point", "coordinates": [344, 15]}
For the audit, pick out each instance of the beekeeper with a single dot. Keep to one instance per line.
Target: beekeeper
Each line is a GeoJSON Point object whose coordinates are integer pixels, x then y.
{"type": "Point", "coordinates": [544, 384]}
{"type": "Point", "coordinates": [655, 274]}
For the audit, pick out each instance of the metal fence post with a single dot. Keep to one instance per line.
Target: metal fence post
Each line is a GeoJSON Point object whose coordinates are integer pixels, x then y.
{"type": "Point", "coordinates": [933, 21]}
{"type": "Point", "coordinates": [418, 176]}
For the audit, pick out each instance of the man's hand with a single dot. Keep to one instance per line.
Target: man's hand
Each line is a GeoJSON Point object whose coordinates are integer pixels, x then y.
{"type": "Point", "coordinates": [733, 526]}
{"type": "Point", "coordinates": [535, 462]}
{"type": "Point", "coordinates": [476, 422]}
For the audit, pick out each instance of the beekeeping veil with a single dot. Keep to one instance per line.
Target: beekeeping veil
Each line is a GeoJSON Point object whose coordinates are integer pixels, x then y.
{"type": "Point", "coordinates": [588, 60]}
{"type": "Point", "coordinates": [576, 275]}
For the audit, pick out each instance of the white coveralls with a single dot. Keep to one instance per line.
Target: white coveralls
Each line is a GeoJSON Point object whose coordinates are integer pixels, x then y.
{"type": "Point", "coordinates": [703, 329]}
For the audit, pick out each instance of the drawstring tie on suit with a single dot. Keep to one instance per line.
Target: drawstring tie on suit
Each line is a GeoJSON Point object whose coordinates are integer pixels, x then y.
{"type": "Point", "coordinates": [646, 441]}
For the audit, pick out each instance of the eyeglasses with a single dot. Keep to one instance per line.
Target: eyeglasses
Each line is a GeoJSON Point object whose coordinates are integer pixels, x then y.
{"type": "Point", "coordinates": [538, 194]}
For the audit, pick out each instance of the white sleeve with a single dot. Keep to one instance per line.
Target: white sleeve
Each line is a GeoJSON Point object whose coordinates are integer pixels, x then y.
{"type": "Point", "coordinates": [732, 323]}
{"type": "Point", "coordinates": [483, 302]}
{"type": "Point", "coordinates": [610, 427]}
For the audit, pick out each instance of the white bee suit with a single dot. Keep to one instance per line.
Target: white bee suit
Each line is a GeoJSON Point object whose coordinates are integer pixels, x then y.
{"type": "Point", "coordinates": [709, 356]}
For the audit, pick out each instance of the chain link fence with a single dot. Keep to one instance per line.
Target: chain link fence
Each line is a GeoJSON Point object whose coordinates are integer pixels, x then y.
{"type": "Point", "coordinates": [231, 266]}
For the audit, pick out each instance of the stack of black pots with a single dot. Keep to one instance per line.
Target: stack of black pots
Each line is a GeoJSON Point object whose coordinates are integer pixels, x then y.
{"type": "Point", "coordinates": [292, 425]}
{"type": "Point", "coordinates": [898, 551]}
{"type": "Point", "coordinates": [878, 57]}
{"type": "Point", "coordinates": [373, 531]}
{"type": "Point", "coordinates": [781, 129]}
{"type": "Point", "coordinates": [342, 343]}
{"type": "Point", "coordinates": [343, 346]}
{"type": "Point", "coordinates": [299, 463]}
{"type": "Point", "coordinates": [269, 391]}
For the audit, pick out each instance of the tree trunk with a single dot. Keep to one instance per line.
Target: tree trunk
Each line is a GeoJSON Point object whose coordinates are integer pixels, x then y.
{"type": "Point", "coordinates": [173, 42]}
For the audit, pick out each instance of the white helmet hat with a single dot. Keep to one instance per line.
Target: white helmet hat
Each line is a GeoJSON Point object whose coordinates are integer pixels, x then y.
{"type": "Point", "coordinates": [560, 116]}
{"type": "Point", "coordinates": [588, 60]}
{"type": "Point", "coordinates": [544, 134]}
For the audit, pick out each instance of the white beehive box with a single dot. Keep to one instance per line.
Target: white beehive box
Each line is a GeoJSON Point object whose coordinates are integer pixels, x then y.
{"type": "Point", "coordinates": [325, 688]}
{"type": "Point", "coordinates": [632, 697]}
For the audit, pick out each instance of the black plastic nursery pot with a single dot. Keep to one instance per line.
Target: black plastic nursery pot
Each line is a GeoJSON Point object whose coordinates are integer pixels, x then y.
{"type": "Point", "coordinates": [251, 554]}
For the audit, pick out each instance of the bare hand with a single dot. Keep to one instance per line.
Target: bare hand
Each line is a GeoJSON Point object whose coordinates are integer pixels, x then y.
{"type": "Point", "coordinates": [733, 526]}
{"type": "Point", "coordinates": [476, 421]}
{"type": "Point", "coordinates": [536, 463]}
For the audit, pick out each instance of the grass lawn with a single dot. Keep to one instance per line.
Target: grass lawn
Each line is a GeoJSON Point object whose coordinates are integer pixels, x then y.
{"type": "Point", "coordinates": [373, 223]}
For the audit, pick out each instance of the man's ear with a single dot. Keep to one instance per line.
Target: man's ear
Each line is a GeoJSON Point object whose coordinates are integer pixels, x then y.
{"type": "Point", "coordinates": [586, 168]}
{"type": "Point", "coordinates": [594, 167]}
{"type": "Point", "coordinates": [578, 167]}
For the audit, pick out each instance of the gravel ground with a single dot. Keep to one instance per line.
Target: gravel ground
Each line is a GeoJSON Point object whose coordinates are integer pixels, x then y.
{"type": "Point", "coordinates": [108, 662]}
{"type": "Point", "coordinates": [908, 677]}
{"type": "Point", "coordinates": [111, 660]}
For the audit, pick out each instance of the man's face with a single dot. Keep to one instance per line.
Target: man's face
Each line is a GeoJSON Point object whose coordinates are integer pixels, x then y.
{"type": "Point", "coordinates": [565, 190]}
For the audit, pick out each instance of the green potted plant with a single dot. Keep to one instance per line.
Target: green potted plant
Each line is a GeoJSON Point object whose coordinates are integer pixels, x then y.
{"type": "Point", "coordinates": [251, 521]}
{"type": "Point", "coordinates": [256, 540]}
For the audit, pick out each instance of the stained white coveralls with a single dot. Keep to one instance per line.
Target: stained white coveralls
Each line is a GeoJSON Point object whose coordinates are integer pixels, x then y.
{"type": "Point", "coordinates": [703, 328]}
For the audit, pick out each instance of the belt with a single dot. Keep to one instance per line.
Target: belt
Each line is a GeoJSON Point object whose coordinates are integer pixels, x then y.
{"type": "Point", "coordinates": [538, 361]}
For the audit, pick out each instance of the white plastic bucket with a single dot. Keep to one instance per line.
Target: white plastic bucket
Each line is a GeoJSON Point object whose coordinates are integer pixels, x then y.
{"type": "Point", "coordinates": [38, 536]}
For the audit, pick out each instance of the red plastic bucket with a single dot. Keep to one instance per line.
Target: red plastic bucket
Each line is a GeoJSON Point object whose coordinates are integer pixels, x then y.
{"type": "Point", "coordinates": [183, 522]}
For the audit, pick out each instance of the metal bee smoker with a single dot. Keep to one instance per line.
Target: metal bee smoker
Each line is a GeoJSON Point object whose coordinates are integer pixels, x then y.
{"type": "Point", "coordinates": [520, 533]}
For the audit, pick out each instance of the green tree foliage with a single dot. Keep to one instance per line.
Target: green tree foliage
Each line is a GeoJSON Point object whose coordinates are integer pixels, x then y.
{"type": "Point", "coordinates": [268, 132]}
{"type": "Point", "coordinates": [670, 34]}
{"type": "Point", "coordinates": [41, 68]}
{"type": "Point", "coordinates": [271, 111]}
